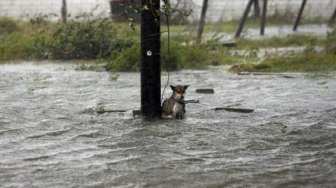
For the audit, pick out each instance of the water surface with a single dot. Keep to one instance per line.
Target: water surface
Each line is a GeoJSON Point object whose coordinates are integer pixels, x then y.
{"type": "Point", "coordinates": [50, 135]}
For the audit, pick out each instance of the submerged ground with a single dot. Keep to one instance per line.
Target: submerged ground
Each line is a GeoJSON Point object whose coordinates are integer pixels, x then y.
{"type": "Point", "coordinates": [50, 135]}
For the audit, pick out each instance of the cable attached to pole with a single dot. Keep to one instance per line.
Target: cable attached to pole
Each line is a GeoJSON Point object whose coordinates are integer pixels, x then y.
{"type": "Point", "coordinates": [167, 14]}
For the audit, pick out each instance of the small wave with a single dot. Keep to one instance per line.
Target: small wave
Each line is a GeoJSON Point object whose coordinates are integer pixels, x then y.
{"type": "Point", "coordinates": [123, 159]}
{"type": "Point", "coordinates": [88, 134]}
{"type": "Point", "coordinates": [11, 133]}
{"type": "Point", "coordinates": [52, 133]}
{"type": "Point", "coordinates": [36, 158]}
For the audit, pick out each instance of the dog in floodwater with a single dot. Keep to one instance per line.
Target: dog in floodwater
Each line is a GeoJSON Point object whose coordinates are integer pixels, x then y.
{"type": "Point", "coordinates": [174, 107]}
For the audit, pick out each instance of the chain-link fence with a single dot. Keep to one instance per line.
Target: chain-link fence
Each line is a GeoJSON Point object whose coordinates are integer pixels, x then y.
{"type": "Point", "coordinates": [219, 10]}
{"type": "Point", "coordinates": [228, 10]}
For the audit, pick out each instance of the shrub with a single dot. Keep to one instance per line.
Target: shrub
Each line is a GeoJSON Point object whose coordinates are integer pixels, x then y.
{"type": "Point", "coordinates": [193, 57]}
{"type": "Point", "coordinates": [126, 60]}
{"type": "Point", "coordinates": [40, 48]}
{"type": "Point", "coordinates": [171, 60]}
{"type": "Point", "coordinates": [8, 25]}
{"type": "Point", "coordinates": [15, 46]}
{"type": "Point", "coordinates": [39, 20]}
{"type": "Point", "coordinates": [99, 39]}
{"type": "Point", "coordinates": [179, 57]}
{"type": "Point", "coordinates": [86, 40]}
{"type": "Point", "coordinates": [331, 42]}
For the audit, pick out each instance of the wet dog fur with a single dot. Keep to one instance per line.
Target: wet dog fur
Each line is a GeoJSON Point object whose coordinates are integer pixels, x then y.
{"type": "Point", "coordinates": [174, 107]}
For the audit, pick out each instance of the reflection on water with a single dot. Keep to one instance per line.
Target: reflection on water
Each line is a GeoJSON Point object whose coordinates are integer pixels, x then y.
{"type": "Point", "coordinates": [50, 135]}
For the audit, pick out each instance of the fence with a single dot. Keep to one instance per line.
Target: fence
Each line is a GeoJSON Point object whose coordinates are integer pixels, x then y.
{"type": "Point", "coordinates": [219, 10]}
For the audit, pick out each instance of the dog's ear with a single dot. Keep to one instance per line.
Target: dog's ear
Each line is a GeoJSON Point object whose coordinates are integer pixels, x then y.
{"type": "Point", "coordinates": [172, 87]}
{"type": "Point", "coordinates": [185, 87]}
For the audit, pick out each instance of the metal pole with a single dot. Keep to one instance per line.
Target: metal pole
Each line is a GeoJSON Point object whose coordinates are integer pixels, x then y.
{"type": "Point", "coordinates": [298, 19]}
{"type": "Point", "coordinates": [64, 11]}
{"type": "Point", "coordinates": [202, 21]}
{"type": "Point", "coordinates": [256, 8]}
{"type": "Point", "coordinates": [242, 21]}
{"type": "Point", "coordinates": [150, 59]}
{"type": "Point", "coordinates": [263, 19]}
{"type": "Point", "coordinates": [111, 9]}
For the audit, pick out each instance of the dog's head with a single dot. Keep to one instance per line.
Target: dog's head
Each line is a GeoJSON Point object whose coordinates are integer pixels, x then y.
{"type": "Point", "coordinates": [178, 91]}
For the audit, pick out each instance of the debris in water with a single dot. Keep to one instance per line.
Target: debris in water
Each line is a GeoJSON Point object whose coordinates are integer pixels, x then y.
{"type": "Point", "coordinates": [191, 101]}
{"type": "Point", "coordinates": [239, 110]}
{"type": "Point", "coordinates": [205, 91]}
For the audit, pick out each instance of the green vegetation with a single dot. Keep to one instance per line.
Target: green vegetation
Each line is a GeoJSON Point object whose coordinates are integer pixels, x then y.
{"type": "Point", "coordinates": [7, 25]}
{"type": "Point", "coordinates": [40, 39]}
{"type": "Point", "coordinates": [179, 57]}
{"type": "Point", "coordinates": [116, 46]}
{"type": "Point", "coordinates": [126, 60]}
{"type": "Point", "coordinates": [331, 43]}
{"type": "Point", "coordinates": [308, 61]}
{"type": "Point", "coordinates": [290, 40]}
{"type": "Point", "coordinates": [100, 40]}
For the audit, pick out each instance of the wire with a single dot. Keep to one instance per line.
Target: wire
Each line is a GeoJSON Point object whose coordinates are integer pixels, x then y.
{"type": "Point", "coordinates": [167, 9]}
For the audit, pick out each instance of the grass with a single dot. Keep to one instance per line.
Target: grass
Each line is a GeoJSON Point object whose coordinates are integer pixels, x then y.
{"type": "Point", "coordinates": [307, 61]}
{"type": "Point", "coordinates": [288, 41]}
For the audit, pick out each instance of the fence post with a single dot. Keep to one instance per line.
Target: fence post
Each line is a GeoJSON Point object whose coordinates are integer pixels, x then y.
{"type": "Point", "coordinates": [242, 21]}
{"type": "Point", "coordinates": [64, 11]}
{"type": "Point", "coordinates": [256, 8]}
{"type": "Point", "coordinates": [263, 18]}
{"type": "Point", "coordinates": [150, 59]}
{"type": "Point", "coordinates": [202, 22]}
{"type": "Point", "coordinates": [298, 19]}
{"type": "Point", "coordinates": [333, 17]}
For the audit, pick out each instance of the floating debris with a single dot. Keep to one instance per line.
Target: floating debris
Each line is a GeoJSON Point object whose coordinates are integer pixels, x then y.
{"type": "Point", "coordinates": [205, 91]}
{"type": "Point", "coordinates": [239, 110]}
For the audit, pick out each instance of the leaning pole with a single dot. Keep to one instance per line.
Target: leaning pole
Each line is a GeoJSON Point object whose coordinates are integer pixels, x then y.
{"type": "Point", "coordinates": [298, 18]}
{"type": "Point", "coordinates": [150, 59]}
{"type": "Point", "coordinates": [202, 21]}
{"type": "Point", "coordinates": [263, 18]}
{"type": "Point", "coordinates": [333, 17]}
{"type": "Point", "coordinates": [243, 19]}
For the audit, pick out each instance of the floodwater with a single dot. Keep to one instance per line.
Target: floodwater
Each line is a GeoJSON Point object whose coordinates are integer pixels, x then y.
{"type": "Point", "coordinates": [50, 135]}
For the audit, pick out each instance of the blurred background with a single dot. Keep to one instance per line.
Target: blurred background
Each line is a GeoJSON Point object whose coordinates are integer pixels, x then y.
{"type": "Point", "coordinates": [218, 10]}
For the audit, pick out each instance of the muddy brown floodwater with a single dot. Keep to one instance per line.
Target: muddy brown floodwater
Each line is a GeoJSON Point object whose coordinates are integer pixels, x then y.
{"type": "Point", "coordinates": [50, 135]}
